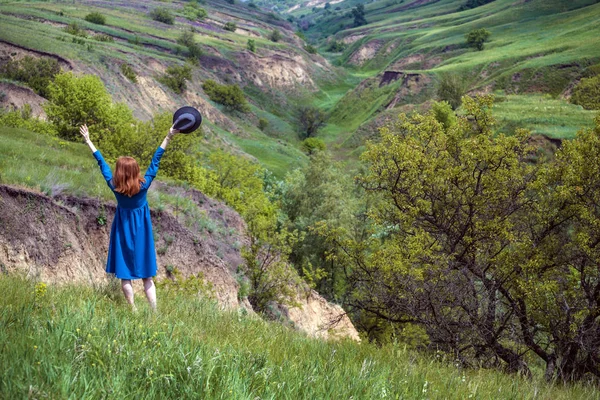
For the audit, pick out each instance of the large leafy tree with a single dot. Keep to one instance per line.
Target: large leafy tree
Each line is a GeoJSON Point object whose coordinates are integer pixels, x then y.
{"type": "Point", "coordinates": [495, 258]}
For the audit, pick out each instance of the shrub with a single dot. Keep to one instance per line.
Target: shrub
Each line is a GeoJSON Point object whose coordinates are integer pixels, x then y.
{"type": "Point", "coordinates": [251, 45]}
{"type": "Point", "coordinates": [275, 35]}
{"type": "Point", "coordinates": [74, 100]}
{"type": "Point", "coordinates": [194, 49]}
{"type": "Point", "coordinates": [129, 73]}
{"type": "Point", "coordinates": [74, 29]}
{"type": "Point", "coordinates": [312, 145]}
{"type": "Point", "coordinates": [230, 26]}
{"type": "Point", "coordinates": [310, 120]}
{"type": "Point", "coordinates": [36, 73]}
{"type": "Point", "coordinates": [473, 3]}
{"type": "Point", "coordinates": [23, 119]}
{"type": "Point", "coordinates": [96, 18]}
{"type": "Point", "coordinates": [310, 49]}
{"type": "Point", "coordinates": [102, 37]}
{"type": "Point", "coordinates": [587, 93]}
{"type": "Point", "coordinates": [451, 89]}
{"type": "Point", "coordinates": [263, 123]}
{"type": "Point", "coordinates": [337, 46]}
{"type": "Point", "coordinates": [477, 37]}
{"type": "Point", "coordinates": [230, 96]}
{"type": "Point", "coordinates": [176, 77]}
{"type": "Point", "coordinates": [194, 12]}
{"type": "Point", "coordinates": [162, 15]}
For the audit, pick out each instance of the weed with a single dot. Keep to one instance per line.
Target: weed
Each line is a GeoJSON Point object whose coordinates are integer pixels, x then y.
{"type": "Point", "coordinates": [101, 218]}
{"type": "Point", "coordinates": [127, 70]}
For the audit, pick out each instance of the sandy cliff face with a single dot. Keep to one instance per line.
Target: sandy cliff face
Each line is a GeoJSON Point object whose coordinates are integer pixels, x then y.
{"type": "Point", "coordinates": [65, 239]}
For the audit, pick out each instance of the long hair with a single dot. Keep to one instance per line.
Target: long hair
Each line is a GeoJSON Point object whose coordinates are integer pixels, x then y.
{"type": "Point", "coordinates": [127, 179]}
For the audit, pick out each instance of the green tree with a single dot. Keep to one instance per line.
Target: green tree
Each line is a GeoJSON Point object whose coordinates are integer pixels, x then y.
{"type": "Point", "coordinates": [251, 45]}
{"type": "Point", "coordinates": [263, 123]}
{"type": "Point", "coordinates": [451, 89]}
{"type": "Point", "coordinates": [358, 13]}
{"type": "Point", "coordinates": [230, 26]}
{"type": "Point", "coordinates": [275, 35]}
{"type": "Point", "coordinates": [587, 93]}
{"type": "Point", "coordinates": [75, 100]}
{"type": "Point", "coordinates": [176, 77]}
{"type": "Point", "coordinates": [230, 96]}
{"type": "Point", "coordinates": [194, 12]}
{"type": "Point", "coordinates": [319, 193]}
{"type": "Point", "coordinates": [312, 145]}
{"type": "Point", "coordinates": [477, 37]}
{"type": "Point", "coordinates": [310, 120]}
{"type": "Point", "coordinates": [163, 15]}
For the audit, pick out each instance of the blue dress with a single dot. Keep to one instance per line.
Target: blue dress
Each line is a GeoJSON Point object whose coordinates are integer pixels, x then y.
{"type": "Point", "coordinates": [131, 253]}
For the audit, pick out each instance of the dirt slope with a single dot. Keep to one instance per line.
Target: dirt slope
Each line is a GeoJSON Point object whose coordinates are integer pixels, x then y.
{"type": "Point", "coordinates": [65, 239]}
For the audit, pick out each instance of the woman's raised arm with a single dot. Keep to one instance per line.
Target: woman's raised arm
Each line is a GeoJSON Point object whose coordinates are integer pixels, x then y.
{"type": "Point", "coordinates": [83, 129]}
{"type": "Point", "coordinates": [172, 132]}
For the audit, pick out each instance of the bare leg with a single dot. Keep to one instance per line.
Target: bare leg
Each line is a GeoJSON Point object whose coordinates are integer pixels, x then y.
{"type": "Point", "coordinates": [150, 290]}
{"type": "Point", "coordinates": [128, 291]}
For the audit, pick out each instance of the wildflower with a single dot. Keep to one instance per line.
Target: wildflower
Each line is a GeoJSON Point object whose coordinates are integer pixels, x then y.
{"type": "Point", "coordinates": [35, 347]}
{"type": "Point", "coordinates": [77, 330]}
{"type": "Point", "coordinates": [93, 364]}
{"type": "Point", "coordinates": [38, 363]}
{"type": "Point", "coordinates": [150, 372]}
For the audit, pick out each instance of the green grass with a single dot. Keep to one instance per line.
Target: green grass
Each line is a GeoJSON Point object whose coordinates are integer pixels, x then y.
{"type": "Point", "coordinates": [49, 164]}
{"type": "Point", "coordinates": [84, 342]}
{"type": "Point", "coordinates": [542, 115]}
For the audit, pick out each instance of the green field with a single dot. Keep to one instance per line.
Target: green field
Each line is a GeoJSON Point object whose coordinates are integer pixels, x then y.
{"type": "Point", "coordinates": [83, 342]}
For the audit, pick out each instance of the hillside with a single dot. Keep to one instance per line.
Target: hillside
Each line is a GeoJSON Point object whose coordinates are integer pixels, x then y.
{"type": "Point", "coordinates": [84, 342]}
{"type": "Point", "coordinates": [55, 219]}
{"type": "Point", "coordinates": [535, 47]}
{"type": "Point", "coordinates": [275, 77]}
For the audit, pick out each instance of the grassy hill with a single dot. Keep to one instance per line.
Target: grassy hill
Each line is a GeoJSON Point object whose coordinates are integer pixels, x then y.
{"type": "Point", "coordinates": [535, 47]}
{"type": "Point", "coordinates": [85, 342]}
{"type": "Point", "coordinates": [130, 36]}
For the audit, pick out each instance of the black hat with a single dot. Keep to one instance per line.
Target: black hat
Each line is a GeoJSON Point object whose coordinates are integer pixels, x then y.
{"type": "Point", "coordinates": [187, 119]}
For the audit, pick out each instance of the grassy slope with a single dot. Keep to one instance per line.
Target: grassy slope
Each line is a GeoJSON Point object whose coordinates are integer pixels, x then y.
{"type": "Point", "coordinates": [85, 343]}
{"type": "Point", "coordinates": [528, 39]}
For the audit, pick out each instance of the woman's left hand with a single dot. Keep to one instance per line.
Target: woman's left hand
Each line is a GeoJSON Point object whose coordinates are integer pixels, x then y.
{"type": "Point", "coordinates": [83, 129]}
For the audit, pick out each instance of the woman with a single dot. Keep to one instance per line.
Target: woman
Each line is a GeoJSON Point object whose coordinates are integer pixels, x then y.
{"type": "Point", "coordinates": [131, 253]}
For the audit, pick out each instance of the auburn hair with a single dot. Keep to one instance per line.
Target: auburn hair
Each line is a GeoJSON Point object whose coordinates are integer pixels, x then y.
{"type": "Point", "coordinates": [127, 179]}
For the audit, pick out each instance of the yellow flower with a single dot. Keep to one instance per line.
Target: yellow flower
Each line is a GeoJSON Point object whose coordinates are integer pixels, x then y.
{"type": "Point", "coordinates": [35, 347]}
{"type": "Point", "coordinates": [150, 372]}
{"type": "Point", "coordinates": [77, 330]}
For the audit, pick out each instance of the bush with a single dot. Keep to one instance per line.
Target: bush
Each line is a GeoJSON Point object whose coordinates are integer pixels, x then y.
{"type": "Point", "coordinates": [275, 35]}
{"type": "Point", "coordinates": [263, 123]}
{"type": "Point", "coordinates": [587, 93]}
{"type": "Point", "coordinates": [312, 145]}
{"type": "Point", "coordinates": [251, 45]}
{"type": "Point", "coordinates": [194, 49]}
{"type": "Point", "coordinates": [451, 89]}
{"type": "Point", "coordinates": [162, 15]}
{"type": "Point", "coordinates": [176, 77]}
{"type": "Point", "coordinates": [129, 73]}
{"type": "Point", "coordinates": [102, 37]}
{"type": "Point", "coordinates": [230, 26]}
{"type": "Point", "coordinates": [74, 100]}
{"type": "Point", "coordinates": [337, 46]}
{"type": "Point", "coordinates": [74, 29]}
{"type": "Point", "coordinates": [36, 73]}
{"type": "Point", "coordinates": [230, 96]}
{"type": "Point", "coordinates": [477, 37]}
{"type": "Point", "coordinates": [473, 3]}
{"type": "Point", "coordinates": [23, 119]}
{"type": "Point", "coordinates": [194, 12]}
{"type": "Point", "coordinates": [310, 120]}
{"type": "Point", "coordinates": [96, 18]}
{"type": "Point", "coordinates": [310, 49]}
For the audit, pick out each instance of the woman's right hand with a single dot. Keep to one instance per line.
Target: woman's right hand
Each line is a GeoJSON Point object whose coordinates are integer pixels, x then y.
{"type": "Point", "coordinates": [173, 131]}
{"type": "Point", "coordinates": [83, 129]}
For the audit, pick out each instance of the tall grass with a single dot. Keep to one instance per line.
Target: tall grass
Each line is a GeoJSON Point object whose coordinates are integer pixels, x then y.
{"type": "Point", "coordinates": [81, 342]}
